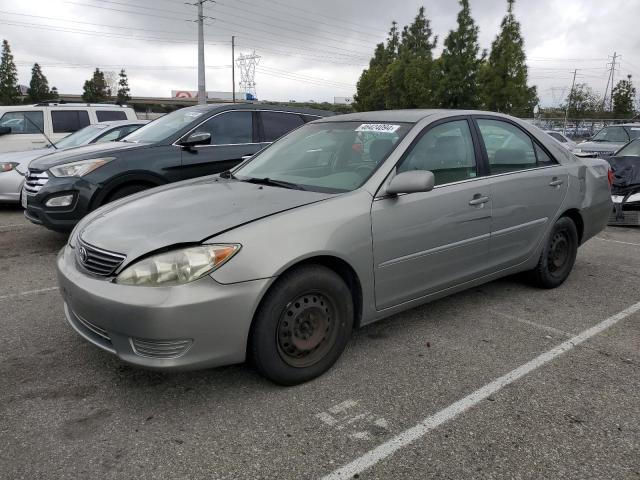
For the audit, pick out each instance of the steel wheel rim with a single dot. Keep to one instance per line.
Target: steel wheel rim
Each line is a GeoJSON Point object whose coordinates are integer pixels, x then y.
{"type": "Point", "coordinates": [307, 329]}
{"type": "Point", "coordinates": [559, 252]}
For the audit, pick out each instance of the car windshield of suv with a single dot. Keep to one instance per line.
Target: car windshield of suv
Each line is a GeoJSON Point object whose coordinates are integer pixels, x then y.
{"type": "Point", "coordinates": [81, 137]}
{"type": "Point", "coordinates": [612, 134]}
{"type": "Point", "coordinates": [164, 126]}
{"type": "Point", "coordinates": [630, 150]}
{"type": "Point", "coordinates": [325, 157]}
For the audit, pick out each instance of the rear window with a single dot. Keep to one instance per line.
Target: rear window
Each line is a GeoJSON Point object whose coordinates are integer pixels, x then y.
{"type": "Point", "coordinates": [68, 121]}
{"type": "Point", "coordinates": [276, 124]}
{"type": "Point", "coordinates": [110, 115]}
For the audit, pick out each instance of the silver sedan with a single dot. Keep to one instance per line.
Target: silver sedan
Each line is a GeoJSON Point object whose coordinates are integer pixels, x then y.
{"type": "Point", "coordinates": [341, 223]}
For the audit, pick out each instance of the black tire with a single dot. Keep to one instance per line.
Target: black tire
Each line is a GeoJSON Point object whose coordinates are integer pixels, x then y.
{"type": "Point", "coordinates": [126, 190]}
{"type": "Point", "coordinates": [302, 325]}
{"type": "Point", "coordinates": [558, 255]}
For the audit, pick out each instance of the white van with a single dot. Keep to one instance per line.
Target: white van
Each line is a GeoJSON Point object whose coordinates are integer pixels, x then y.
{"type": "Point", "coordinates": [27, 127]}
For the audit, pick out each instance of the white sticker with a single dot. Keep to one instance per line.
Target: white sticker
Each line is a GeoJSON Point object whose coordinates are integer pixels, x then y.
{"type": "Point", "coordinates": [192, 114]}
{"type": "Point", "coordinates": [377, 127]}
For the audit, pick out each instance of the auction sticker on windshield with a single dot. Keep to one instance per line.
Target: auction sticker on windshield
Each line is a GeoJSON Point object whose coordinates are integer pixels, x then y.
{"type": "Point", "coordinates": [377, 127]}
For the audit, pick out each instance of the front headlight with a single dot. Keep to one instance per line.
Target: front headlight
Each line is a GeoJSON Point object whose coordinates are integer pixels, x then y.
{"type": "Point", "coordinates": [7, 166]}
{"type": "Point", "coordinates": [79, 169]}
{"type": "Point", "coordinates": [178, 266]}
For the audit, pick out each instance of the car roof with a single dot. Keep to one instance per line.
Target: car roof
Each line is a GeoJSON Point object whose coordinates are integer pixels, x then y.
{"type": "Point", "coordinates": [210, 107]}
{"type": "Point", "coordinates": [405, 116]}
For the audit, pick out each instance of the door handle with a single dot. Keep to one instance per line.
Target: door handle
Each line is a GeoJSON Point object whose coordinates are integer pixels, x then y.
{"type": "Point", "coordinates": [556, 182]}
{"type": "Point", "coordinates": [478, 200]}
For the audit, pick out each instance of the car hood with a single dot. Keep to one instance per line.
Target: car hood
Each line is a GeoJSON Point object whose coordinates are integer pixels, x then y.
{"type": "Point", "coordinates": [83, 153]}
{"type": "Point", "coordinates": [24, 158]}
{"type": "Point", "coordinates": [186, 213]}
{"type": "Point", "coordinates": [600, 146]}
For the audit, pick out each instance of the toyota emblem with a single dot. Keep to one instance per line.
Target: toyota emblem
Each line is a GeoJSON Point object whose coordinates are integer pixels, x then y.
{"type": "Point", "coordinates": [83, 254]}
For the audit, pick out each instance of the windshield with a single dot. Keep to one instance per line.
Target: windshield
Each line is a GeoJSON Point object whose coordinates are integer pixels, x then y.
{"type": "Point", "coordinates": [326, 157]}
{"type": "Point", "coordinates": [164, 126]}
{"type": "Point", "coordinates": [630, 150]}
{"type": "Point", "coordinates": [81, 137]}
{"type": "Point", "coordinates": [612, 134]}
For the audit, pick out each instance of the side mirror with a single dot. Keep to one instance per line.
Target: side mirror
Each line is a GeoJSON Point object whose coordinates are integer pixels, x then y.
{"type": "Point", "coordinates": [196, 138]}
{"type": "Point", "coordinates": [5, 130]}
{"type": "Point", "coordinates": [412, 181]}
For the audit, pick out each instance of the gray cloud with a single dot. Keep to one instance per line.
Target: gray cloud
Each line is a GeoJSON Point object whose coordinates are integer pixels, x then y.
{"type": "Point", "coordinates": [304, 55]}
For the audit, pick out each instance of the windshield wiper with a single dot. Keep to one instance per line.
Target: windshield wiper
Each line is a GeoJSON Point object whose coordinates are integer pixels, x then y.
{"type": "Point", "coordinates": [275, 183]}
{"type": "Point", "coordinates": [227, 174]}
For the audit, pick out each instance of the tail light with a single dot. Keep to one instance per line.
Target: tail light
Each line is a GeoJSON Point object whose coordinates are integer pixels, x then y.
{"type": "Point", "coordinates": [610, 177]}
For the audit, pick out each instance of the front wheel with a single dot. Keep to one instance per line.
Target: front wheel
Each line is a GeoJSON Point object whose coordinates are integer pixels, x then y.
{"type": "Point", "coordinates": [558, 255]}
{"type": "Point", "coordinates": [302, 325]}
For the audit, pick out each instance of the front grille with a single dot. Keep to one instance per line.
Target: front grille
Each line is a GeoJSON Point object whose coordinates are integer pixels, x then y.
{"type": "Point", "coordinates": [98, 261]}
{"type": "Point", "coordinates": [160, 348]}
{"type": "Point", "coordinates": [35, 181]}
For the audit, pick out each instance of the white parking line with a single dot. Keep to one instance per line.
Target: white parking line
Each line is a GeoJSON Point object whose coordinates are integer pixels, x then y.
{"type": "Point", "coordinates": [15, 225]}
{"type": "Point", "coordinates": [541, 326]}
{"type": "Point", "coordinates": [618, 241]}
{"type": "Point", "coordinates": [28, 292]}
{"type": "Point", "coordinates": [409, 436]}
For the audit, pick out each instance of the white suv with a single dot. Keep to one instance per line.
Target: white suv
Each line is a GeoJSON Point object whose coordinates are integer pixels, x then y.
{"type": "Point", "coordinates": [27, 127]}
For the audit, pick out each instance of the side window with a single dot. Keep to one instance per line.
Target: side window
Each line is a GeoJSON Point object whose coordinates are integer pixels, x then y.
{"type": "Point", "coordinates": [23, 122]}
{"type": "Point", "coordinates": [617, 134]}
{"type": "Point", "coordinates": [68, 121]}
{"type": "Point", "coordinates": [446, 150]}
{"type": "Point", "coordinates": [509, 149]}
{"type": "Point", "coordinates": [558, 137]}
{"type": "Point", "coordinates": [229, 128]}
{"type": "Point", "coordinates": [276, 124]}
{"type": "Point", "coordinates": [310, 118]}
{"type": "Point", "coordinates": [544, 160]}
{"type": "Point", "coordinates": [114, 134]}
{"type": "Point", "coordinates": [110, 115]}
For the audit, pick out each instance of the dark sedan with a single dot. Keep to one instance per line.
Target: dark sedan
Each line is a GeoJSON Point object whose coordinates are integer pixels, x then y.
{"type": "Point", "coordinates": [61, 188]}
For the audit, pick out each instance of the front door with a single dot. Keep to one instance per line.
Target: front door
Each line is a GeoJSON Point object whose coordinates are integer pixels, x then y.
{"type": "Point", "coordinates": [233, 136]}
{"type": "Point", "coordinates": [527, 189]}
{"type": "Point", "coordinates": [427, 242]}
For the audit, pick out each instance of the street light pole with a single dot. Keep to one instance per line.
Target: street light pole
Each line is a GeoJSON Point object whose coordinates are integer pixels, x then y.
{"type": "Point", "coordinates": [202, 91]}
{"type": "Point", "coordinates": [233, 66]}
{"type": "Point", "coordinates": [566, 113]}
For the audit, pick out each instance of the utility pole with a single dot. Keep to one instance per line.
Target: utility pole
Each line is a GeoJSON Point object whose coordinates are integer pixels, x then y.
{"type": "Point", "coordinates": [613, 72]}
{"type": "Point", "coordinates": [609, 82]}
{"type": "Point", "coordinates": [202, 91]}
{"type": "Point", "coordinates": [566, 112]}
{"type": "Point", "coordinates": [233, 66]}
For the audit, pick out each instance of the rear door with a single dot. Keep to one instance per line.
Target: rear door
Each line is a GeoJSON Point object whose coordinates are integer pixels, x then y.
{"type": "Point", "coordinates": [274, 125]}
{"type": "Point", "coordinates": [527, 189]}
{"type": "Point", "coordinates": [65, 121]}
{"type": "Point", "coordinates": [234, 134]}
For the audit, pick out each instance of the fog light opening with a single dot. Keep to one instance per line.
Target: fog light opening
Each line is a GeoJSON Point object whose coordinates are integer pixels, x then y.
{"type": "Point", "coordinates": [61, 201]}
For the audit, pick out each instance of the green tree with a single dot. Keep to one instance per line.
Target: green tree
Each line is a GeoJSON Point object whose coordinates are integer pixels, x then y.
{"type": "Point", "coordinates": [583, 102]}
{"type": "Point", "coordinates": [504, 76]}
{"type": "Point", "coordinates": [38, 86]}
{"type": "Point", "coordinates": [409, 81]}
{"type": "Point", "coordinates": [459, 64]}
{"type": "Point", "coordinates": [96, 89]}
{"type": "Point", "coordinates": [9, 92]}
{"type": "Point", "coordinates": [54, 93]}
{"type": "Point", "coordinates": [123, 88]}
{"type": "Point", "coordinates": [624, 97]}
{"type": "Point", "coordinates": [370, 88]}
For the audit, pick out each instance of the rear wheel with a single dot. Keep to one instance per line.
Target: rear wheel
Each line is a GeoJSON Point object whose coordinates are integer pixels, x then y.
{"type": "Point", "coordinates": [558, 255]}
{"type": "Point", "coordinates": [302, 325]}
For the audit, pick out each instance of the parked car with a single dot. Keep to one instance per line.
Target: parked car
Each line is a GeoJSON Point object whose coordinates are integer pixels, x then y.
{"type": "Point", "coordinates": [31, 127]}
{"type": "Point", "coordinates": [15, 165]}
{"type": "Point", "coordinates": [192, 142]}
{"type": "Point", "coordinates": [608, 140]}
{"type": "Point", "coordinates": [565, 141]}
{"type": "Point", "coordinates": [342, 222]}
{"type": "Point", "coordinates": [625, 191]}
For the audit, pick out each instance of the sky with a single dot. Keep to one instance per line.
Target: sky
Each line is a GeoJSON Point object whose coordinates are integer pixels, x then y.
{"type": "Point", "coordinates": [309, 50]}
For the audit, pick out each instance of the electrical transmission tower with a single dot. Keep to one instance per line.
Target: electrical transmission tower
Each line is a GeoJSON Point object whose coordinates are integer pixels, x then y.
{"type": "Point", "coordinates": [610, 81]}
{"type": "Point", "coordinates": [247, 65]}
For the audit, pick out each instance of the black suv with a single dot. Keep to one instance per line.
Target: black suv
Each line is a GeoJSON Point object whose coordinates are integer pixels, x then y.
{"type": "Point", "coordinates": [63, 187]}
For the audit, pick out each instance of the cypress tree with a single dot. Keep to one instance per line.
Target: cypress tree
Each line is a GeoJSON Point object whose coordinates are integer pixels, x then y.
{"type": "Point", "coordinates": [123, 88]}
{"type": "Point", "coordinates": [96, 89]}
{"type": "Point", "coordinates": [504, 76]}
{"type": "Point", "coordinates": [9, 92]}
{"type": "Point", "coordinates": [38, 86]}
{"type": "Point", "coordinates": [459, 64]}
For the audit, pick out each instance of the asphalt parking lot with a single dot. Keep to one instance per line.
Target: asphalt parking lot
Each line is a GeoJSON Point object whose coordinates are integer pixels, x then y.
{"type": "Point", "coordinates": [69, 410]}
